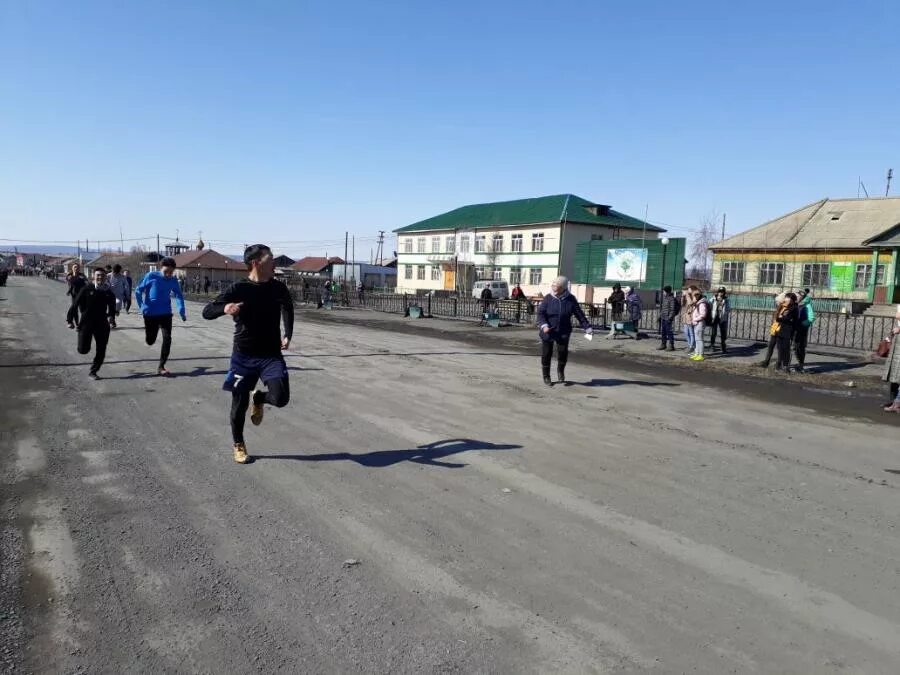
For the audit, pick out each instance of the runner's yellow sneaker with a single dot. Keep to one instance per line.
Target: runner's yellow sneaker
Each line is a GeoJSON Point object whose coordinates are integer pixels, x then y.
{"type": "Point", "coordinates": [240, 453]}
{"type": "Point", "coordinates": [256, 409]}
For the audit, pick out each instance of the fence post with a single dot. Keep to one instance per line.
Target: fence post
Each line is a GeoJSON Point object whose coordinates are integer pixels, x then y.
{"type": "Point", "coordinates": [429, 304]}
{"type": "Point", "coordinates": [455, 301]}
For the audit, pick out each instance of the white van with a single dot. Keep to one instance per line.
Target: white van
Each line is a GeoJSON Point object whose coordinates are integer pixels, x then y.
{"type": "Point", "coordinates": [499, 289]}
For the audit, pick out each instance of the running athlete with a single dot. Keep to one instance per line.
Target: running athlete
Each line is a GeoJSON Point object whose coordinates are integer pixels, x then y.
{"type": "Point", "coordinates": [258, 304]}
{"type": "Point", "coordinates": [118, 284]}
{"type": "Point", "coordinates": [75, 281]}
{"type": "Point", "coordinates": [97, 305]}
{"type": "Point", "coordinates": [130, 289]}
{"type": "Point", "coordinates": [153, 296]}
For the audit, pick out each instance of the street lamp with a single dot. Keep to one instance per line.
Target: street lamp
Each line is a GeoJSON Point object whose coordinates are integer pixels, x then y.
{"type": "Point", "coordinates": [665, 242]}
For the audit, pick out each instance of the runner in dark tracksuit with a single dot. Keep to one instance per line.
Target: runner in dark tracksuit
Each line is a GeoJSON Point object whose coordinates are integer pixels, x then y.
{"type": "Point", "coordinates": [258, 305]}
{"type": "Point", "coordinates": [97, 305]}
{"type": "Point", "coordinates": [75, 282]}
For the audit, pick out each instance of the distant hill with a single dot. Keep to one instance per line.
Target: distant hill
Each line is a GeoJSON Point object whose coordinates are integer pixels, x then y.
{"type": "Point", "coordinates": [46, 250]}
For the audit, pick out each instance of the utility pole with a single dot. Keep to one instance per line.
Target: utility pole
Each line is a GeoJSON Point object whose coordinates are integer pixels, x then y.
{"type": "Point", "coordinates": [380, 255]}
{"type": "Point", "coordinates": [353, 262]}
{"type": "Point", "coordinates": [121, 240]}
{"type": "Point", "coordinates": [723, 227]}
{"type": "Point", "coordinates": [157, 246]}
{"type": "Point", "coordinates": [346, 240]}
{"type": "Point", "coordinates": [889, 176]}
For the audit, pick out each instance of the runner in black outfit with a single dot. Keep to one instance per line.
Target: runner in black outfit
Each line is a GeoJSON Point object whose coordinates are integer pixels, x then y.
{"type": "Point", "coordinates": [75, 282]}
{"type": "Point", "coordinates": [97, 305]}
{"type": "Point", "coordinates": [258, 305]}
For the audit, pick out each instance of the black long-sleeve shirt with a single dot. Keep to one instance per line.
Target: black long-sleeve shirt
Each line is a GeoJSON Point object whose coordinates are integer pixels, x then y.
{"type": "Point", "coordinates": [257, 329]}
{"type": "Point", "coordinates": [95, 305]}
{"type": "Point", "coordinates": [75, 282]}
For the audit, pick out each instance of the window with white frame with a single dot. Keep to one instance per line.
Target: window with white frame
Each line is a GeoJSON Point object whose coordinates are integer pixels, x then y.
{"type": "Point", "coordinates": [420, 245]}
{"type": "Point", "coordinates": [534, 276]}
{"type": "Point", "coordinates": [407, 273]}
{"type": "Point", "coordinates": [407, 245]}
{"type": "Point", "coordinates": [480, 272]}
{"type": "Point", "coordinates": [515, 277]}
{"type": "Point", "coordinates": [733, 273]}
{"type": "Point", "coordinates": [498, 274]}
{"type": "Point", "coordinates": [420, 272]}
{"type": "Point", "coordinates": [863, 277]}
{"type": "Point", "coordinates": [450, 246]}
{"type": "Point", "coordinates": [435, 272]}
{"type": "Point", "coordinates": [464, 244]}
{"type": "Point", "coordinates": [497, 243]}
{"type": "Point", "coordinates": [816, 275]}
{"type": "Point", "coordinates": [537, 241]}
{"type": "Point", "coordinates": [479, 243]}
{"type": "Point", "coordinates": [435, 244]}
{"type": "Point", "coordinates": [516, 243]}
{"type": "Point", "coordinates": [771, 274]}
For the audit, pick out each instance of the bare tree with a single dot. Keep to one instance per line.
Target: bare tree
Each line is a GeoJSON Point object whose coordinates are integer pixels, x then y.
{"type": "Point", "coordinates": [492, 251]}
{"type": "Point", "coordinates": [702, 238]}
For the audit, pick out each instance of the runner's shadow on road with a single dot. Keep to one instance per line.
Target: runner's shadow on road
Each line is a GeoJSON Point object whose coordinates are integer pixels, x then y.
{"type": "Point", "coordinates": [350, 356]}
{"type": "Point", "coordinates": [613, 382]}
{"type": "Point", "coordinates": [428, 454]}
{"type": "Point", "coordinates": [199, 371]}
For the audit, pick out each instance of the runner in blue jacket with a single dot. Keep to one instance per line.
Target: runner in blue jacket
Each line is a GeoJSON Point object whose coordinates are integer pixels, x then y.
{"type": "Point", "coordinates": [153, 296]}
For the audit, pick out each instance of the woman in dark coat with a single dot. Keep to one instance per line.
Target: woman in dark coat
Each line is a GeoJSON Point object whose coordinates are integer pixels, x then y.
{"type": "Point", "coordinates": [617, 302]}
{"type": "Point", "coordinates": [555, 321]}
{"type": "Point", "coordinates": [784, 321]}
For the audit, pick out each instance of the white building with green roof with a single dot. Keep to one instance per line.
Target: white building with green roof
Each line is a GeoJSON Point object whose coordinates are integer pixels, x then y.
{"type": "Point", "coordinates": [526, 241]}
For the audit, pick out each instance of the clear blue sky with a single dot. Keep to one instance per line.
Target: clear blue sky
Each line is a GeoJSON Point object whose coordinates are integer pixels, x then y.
{"type": "Point", "coordinates": [295, 121]}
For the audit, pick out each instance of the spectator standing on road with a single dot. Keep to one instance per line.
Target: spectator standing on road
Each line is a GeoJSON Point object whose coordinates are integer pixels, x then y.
{"type": "Point", "coordinates": [721, 310]}
{"type": "Point", "coordinates": [687, 316]}
{"type": "Point", "coordinates": [806, 317]}
{"type": "Point", "coordinates": [75, 281]}
{"type": "Point", "coordinates": [634, 307]}
{"type": "Point", "coordinates": [518, 293]}
{"type": "Point", "coordinates": [784, 321]}
{"type": "Point", "coordinates": [700, 316]}
{"type": "Point", "coordinates": [668, 312]}
{"type": "Point", "coordinates": [206, 283]}
{"type": "Point", "coordinates": [97, 306]}
{"type": "Point", "coordinates": [617, 302]}
{"type": "Point", "coordinates": [153, 297]}
{"type": "Point", "coordinates": [892, 367]}
{"type": "Point", "coordinates": [555, 320]}
{"type": "Point", "coordinates": [486, 297]}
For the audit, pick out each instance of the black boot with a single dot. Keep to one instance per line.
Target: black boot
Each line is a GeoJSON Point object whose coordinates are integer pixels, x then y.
{"type": "Point", "coordinates": [547, 379]}
{"type": "Point", "coordinates": [671, 347]}
{"type": "Point", "coordinates": [561, 373]}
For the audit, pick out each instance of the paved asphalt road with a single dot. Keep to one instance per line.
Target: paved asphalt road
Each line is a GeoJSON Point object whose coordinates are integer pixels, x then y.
{"type": "Point", "coordinates": [626, 523]}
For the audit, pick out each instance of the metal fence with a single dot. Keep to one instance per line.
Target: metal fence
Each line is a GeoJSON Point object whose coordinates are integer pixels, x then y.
{"type": "Point", "coordinates": [845, 331]}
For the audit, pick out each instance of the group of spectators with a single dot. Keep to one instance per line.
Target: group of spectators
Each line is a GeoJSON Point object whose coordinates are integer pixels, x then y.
{"type": "Point", "coordinates": [792, 319]}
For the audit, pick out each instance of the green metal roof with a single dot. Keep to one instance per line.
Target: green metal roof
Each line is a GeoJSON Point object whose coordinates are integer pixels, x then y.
{"type": "Point", "coordinates": [538, 210]}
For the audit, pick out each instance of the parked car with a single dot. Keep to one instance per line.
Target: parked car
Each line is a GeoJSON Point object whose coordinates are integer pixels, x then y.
{"type": "Point", "coordinates": [499, 289]}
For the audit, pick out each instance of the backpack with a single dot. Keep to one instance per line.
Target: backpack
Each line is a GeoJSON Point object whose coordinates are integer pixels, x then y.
{"type": "Point", "coordinates": [707, 320]}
